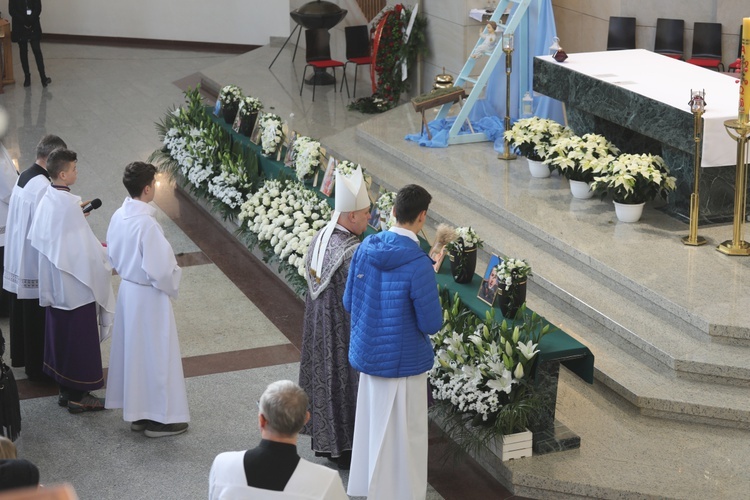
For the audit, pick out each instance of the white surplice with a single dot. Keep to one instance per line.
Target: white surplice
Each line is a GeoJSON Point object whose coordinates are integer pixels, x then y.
{"type": "Point", "coordinates": [73, 266]}
{"type": "Point", "coordinates": [227, 481]}
{"type": "Point", "coordinates": [8, 178]}
{"type": "Point", "coordinates": [21, 274]}
{"type": "Point", "coordinates": [389, 456]}
{"type": "Point", "coordinates": [145, 367]}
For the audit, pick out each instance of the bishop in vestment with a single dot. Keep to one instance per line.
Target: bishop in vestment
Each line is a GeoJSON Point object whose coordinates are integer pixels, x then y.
{"type": "Point", "coordinates": [325, 373]}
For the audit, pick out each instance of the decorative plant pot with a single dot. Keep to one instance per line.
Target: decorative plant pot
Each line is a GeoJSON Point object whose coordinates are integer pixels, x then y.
{"type": "Point", "coordinates": [581, 190]}
{"type": "Point", "coordinates": [247, 124]}
{"type": "Point", "coordinates": [538, 169]}
{"type": "Point", "coordinates": [628, 212]}
{"type": "Point", "coordinates": [469, 259]}
{"type": "Point", "coordinates": [229, 112]}
{"type": "Point", "coordinates": [512, 299]}
{"type": "Point", "coordinates": [512, 446]}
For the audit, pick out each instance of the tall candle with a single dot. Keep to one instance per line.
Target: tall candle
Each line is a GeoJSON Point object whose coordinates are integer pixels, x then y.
{"type": "Point", "coordinates": [744, 110]}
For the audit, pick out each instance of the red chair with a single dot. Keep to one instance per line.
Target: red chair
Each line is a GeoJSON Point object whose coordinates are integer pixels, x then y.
{"type": "Point", "coordinates": [357, 51]}
{"type": "Point", "coordinates": [707, 46]}
{"type": "Point", "coordinates": [735, 66]}
{"type": "Point", "coordinates": [318, 56]}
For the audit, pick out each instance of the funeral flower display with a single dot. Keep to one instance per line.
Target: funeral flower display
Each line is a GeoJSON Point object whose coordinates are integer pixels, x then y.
{"type": "Point", "coordinates": [511, 271]}
{"type": "Point", "coordinates": [385, 207]}
{"type": "Point", "coordinates": [462, 249]}
{"type": "Point", "coordinates": [635, 179]}
{"type": "Point", "coordinates": [233, 184]}
{"type": "Point", "coordinates": [347, 168]}
{"type": "Point", "coordinates": [481, 379]}
{"type": "Point", "coordinates": [307, 157]}
{"type": "Point", "coordinates": [581, 158]}
{"type": "Point", "coordinates": [533, 137]}
{"type": "Point", "coordinates": [230, 95]}
{"type": "Point", "coordinates": [250, 105]}
{"type": "Point", "coordinates": [271, 134]}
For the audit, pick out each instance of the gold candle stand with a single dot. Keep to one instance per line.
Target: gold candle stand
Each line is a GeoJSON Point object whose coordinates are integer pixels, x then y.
{"type": "Point", "coordinates": [739, 131]}
{"type": "Point", "coordinates": [507, 42]}
{"type": "Point", "coordinates": [697, 107]}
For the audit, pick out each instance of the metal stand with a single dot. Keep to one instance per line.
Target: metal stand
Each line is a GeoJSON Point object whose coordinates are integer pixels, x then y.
{"type": "Point", "coordinates": [296, 27]}
{"type": "Point", "coordinates": [508, 49]}
{"type": "Point", "coordinates": [739, 131]}
{"type": "Point", "coordinates": [697, 107]}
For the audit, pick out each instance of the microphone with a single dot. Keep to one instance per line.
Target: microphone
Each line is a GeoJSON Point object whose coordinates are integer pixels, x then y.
{"type": "Point", "coordinates": [92, 205]}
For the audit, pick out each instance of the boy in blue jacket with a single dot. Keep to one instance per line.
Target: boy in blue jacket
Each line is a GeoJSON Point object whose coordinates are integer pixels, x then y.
{"type": "Point", "coordinates": [392, 296]}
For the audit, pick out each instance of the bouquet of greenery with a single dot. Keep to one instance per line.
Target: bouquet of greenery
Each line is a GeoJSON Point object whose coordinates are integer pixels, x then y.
{"type": "Point", "coordinates": [635, 179]}
{"type": "Point", "coordinates": [581, 158]}
{"type": "Point", "coordinates": [533, 137]}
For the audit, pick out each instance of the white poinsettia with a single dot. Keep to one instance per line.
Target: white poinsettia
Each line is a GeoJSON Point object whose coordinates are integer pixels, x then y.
{"type": "Point", "coordinates": [533, 137]}
{"type": "Point", "coordinates": [581, 158]}
{"type": "Point", "coordinates": [633, 178]}
{"type": "Point", "coordinates": [307, 157]}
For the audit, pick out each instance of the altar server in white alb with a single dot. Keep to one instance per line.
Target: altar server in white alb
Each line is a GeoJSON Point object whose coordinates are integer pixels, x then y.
{"type": "Point", "coordinates": [8, 179]}
{"type": "Point", "coordinates": [145, 367]}
{"type": "Point", "coordinates": [21, 264]}
{"type": "Point", "coordinates": [75, 285]}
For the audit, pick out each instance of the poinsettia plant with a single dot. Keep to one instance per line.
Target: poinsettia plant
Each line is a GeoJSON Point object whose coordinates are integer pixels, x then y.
{"type": "Point", "coordinates": [581, 158]}
{"type": "Point", "coordinates": [633, 179]}
{"type": "Point", "coordinates": [533, 137]}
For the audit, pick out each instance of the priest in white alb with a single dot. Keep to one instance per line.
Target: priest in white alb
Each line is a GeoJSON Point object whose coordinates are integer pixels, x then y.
{"type": "Point", "coordinates": [145, 376]}
{"type": "Point", "coordinates": [75, 286]}
{"type": "Point", "coordinates": [8, 179]}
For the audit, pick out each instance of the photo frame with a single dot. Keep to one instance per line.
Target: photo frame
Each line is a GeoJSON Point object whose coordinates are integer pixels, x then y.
{"type": "Point", "coordinates": [217, 107]}
{"type": "Point", "coordinates": [487, 292]}
{"type": "Point", "coordinates": [238, 118]}
{"type": "Point", "coordinates": [437, 253]}
{"type": "Point", "coordinates": [290, 154]}
{"type": "Point", "coordinates": [255, 134]}
{"type": "Point", "coordinates": [374, 220]}
{"type": "Point", "coordinates": [329, 178]}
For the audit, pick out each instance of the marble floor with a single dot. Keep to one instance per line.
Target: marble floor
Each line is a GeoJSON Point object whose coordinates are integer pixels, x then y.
{"type": "Point", "coordinates": [239, 326]}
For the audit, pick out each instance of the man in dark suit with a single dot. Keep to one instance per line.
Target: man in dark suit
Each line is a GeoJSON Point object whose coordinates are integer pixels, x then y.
{"type": "Point", "coordinates": [27, 29]}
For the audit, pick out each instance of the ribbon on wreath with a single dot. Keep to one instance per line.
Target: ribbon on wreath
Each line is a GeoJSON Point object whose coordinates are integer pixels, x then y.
{"type": "Point", "coordinates": [376, 47]}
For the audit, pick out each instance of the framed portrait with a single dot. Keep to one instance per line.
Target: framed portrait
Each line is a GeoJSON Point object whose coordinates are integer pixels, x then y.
{"type": "Point", "coordinates": [329, 179]}
{"type": "Point", "coordinates": [374, 220]}
{"type": "Point", "coordinates": [255, 134]}
{"type": "Point", "coordinates": [488, 289]}
{"type": "Point", "coordinates": [437, 253]}
{"type": "Point", "coordinates": [217, 107]}
{"type": "Point", "coordinates": [290, 154]}
{"type": "Point", "coordinates": [238, 118]}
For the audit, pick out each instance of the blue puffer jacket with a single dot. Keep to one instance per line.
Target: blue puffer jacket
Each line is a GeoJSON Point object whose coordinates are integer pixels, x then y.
{"type": "Point", "coordinates": [392, 296]}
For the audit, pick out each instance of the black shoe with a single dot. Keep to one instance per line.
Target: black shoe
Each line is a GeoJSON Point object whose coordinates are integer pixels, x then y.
{"type": "Point", "coordinates": [62, 398]}
{"type": "Point", "coordinates": [345, 460]}
{"type": "Point", "coordinates": [157, 430]}
{"type": "Point", "coordinates": [139, 425]}
{"type": "Point", "coordinates": [27, 80]}
{"type": "Point", "coordinates": [89, 402]}
{"type": "Point", "coordinates": [46, 81]}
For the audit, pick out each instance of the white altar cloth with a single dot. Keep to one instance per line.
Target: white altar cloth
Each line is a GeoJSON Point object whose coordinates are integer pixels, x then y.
{"type": "Point", "coordinates": [670, 81]}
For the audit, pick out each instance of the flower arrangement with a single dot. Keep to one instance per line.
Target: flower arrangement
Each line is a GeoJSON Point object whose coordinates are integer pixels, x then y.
{"type": "Point", "coordinates": [271, 133]}
{"type": "Point", "coordinates": [465, 239]}
{"type": "Point", "coordinates": [481, 379]}
{"type": "Point", "coordinates": [283, 217]}
{"type": "Point", "coordinates": [250, 105]}
{"type": "Point", "coordinates": [533, 137]}
{"type": "Point", "coordinates": [307, 157]}
{"type": "Point", "coordinates": [347, 168]}
{"type": "Point", "coordinates": [230, 95]}
{"type": "Point", "coordinates": [635, 179]}
{"type": "Point", "coordinates": [581, 158]}
{"type": "Point", "coordinates": [462, 252]}
{"type": "Point", "coordinates": [511, 271]}
{"type": "Point", "coordinates": [233, 185]}
{"type": "Point", "coordinates": [385, 203]}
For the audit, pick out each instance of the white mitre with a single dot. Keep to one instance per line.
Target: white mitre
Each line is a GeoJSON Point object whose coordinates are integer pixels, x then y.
{"type": "Point", "coordinates": [351, 195]}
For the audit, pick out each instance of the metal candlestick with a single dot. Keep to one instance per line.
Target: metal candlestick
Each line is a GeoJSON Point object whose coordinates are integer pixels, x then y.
{"type": "Point", "coordinates": [697, 107]}
{"type": "Point", "coordinates": [739, 130]}
{"type": "Point", "coordinates": [508, 49]}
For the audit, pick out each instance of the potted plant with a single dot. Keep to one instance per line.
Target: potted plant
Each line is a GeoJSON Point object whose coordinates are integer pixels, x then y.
{"type": "Point", "coordinates": [462, 251]}
{"type": "Point", "coordinates": [580, 159]}
{"type": "Point", "coordinates": [482, 382]}
{"type": "Point", "coordinates": [512, 276]}
{"type": "Point", "coordinates": [533, 137]}
{"type": "Point", "coordinates": [230, 97]}
{"type": "Point", "coordinates": [248, 114]}
{"type": "Point", "coordinates": [632, 180]}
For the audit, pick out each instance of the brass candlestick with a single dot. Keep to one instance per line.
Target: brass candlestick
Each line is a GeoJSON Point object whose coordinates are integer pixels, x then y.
{"type": "Point", "coordinates": [739, 130]}
{"type": "Point", "coordinates": [508, 49]}
{"type": "Point", "coordinates": [697, 107]}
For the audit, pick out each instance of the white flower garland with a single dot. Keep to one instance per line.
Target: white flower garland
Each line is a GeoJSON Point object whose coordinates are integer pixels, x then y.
{"type": "Point", "coordinates": [271, 134]}
{"type": "Point", "coordinates": [307, 157]}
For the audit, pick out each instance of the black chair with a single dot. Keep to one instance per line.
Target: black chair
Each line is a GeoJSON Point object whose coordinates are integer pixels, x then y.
{"type": "Point", "coordinates": [707, 46]}
{"type": "Point", "coordinates": [318, 56]}
{"type": "Point", "coordinates": [735, 66]}
{"type": "Point", "coordinates": [621, 35]}
{"type": "Point", "coordinates": [670, 37]}
{"type": "Point", "coordinates": [357, 51]}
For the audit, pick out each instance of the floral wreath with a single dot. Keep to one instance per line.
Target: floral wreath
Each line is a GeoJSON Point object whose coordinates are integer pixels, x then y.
{"type": "Point", "coordinates": [271, 133]}
{"type": "Point", "coordinates": [306, 157]}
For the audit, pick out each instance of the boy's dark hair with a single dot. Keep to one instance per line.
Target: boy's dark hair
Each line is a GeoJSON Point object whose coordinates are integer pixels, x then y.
{"type": "Point", "coordinates": [411, 200]}
{"type": "Point", "coordinates": [47, 144]}
{"type": "Point", "coordinates": [58, 160]}
{"type": "Point", "coordinates": [137, 176]}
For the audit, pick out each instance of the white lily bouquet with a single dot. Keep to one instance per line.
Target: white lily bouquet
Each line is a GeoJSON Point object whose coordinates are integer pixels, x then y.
{"type": "Point", "coordinates": [194, 150]}
{"type": "Point", "coordinates": [307, 156]}
{"type": "Point", "coordinates": [385, 207]}
{"type": "Point", "coordinates": [232, 186]}
{"type": "Point", "coordinates": [271, 134]}
{"type": "Point", "coordinates": [465, 239]}
{"type": "Point", "coordinates": [285, 215]}
{"type": "Point", "coordinates": [511, 271]}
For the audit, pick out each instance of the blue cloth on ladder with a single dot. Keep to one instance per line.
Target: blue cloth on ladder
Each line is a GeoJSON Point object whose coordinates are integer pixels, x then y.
{"type": "Point", "coordinates": [491, 126]}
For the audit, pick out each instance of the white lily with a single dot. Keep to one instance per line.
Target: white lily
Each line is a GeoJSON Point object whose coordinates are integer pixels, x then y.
{"type": "Point", "coordinates": [528, 349]}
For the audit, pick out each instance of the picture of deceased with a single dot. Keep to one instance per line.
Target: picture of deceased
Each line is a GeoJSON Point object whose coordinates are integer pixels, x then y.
{"type": "Point", "coordinates": [374, 220]}
{"type": "Point", "coordinates": [290, 153]}
{"type": "Point", "coordinates": [255, 134]}
{"type": "Point", "coordinates": [329, 178]}
{"type": "Point", "coordinates": [437, 253]}
{"type": "Point", "coordinates": [488, 288]}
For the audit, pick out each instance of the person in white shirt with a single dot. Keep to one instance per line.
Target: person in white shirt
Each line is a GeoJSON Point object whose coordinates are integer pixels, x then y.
{"type": "Point", "coordinates": [273, 469]}
{"type": "Point", "coordinates": [8, 179]}
{"type": "Point", "coordinates": [75, 285]}
{"type": "Point", "coordinates": [145, 376]}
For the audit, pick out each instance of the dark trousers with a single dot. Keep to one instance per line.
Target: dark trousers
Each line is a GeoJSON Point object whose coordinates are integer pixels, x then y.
{"type": "Point", "coordinates": [23, 52]}
{"type": "Point", "coordinates": [27, 319]}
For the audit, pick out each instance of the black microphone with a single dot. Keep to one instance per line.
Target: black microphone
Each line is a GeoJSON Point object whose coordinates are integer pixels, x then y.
{"type": "Point", "coordinates": [93, 204]}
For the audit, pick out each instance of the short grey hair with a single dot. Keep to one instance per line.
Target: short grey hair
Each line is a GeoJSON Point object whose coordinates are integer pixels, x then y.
{"type": "Point", "coordinates": [284, 406]}
{"type": "Point", "coordinates": [47, 144]}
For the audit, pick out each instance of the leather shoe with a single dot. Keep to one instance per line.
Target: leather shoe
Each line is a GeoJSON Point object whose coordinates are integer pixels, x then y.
{"type": "Point", "coordinates": [46, 81]}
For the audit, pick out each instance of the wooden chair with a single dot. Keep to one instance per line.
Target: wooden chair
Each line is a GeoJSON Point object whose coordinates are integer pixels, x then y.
{"type": "Point", "coordinates": [670, 37]}
{"type": "Point", "coordinates": [318, 56]}
{"type": "Point", "coordinates": [707, 46]}
{"type": "Point", "coordinates": [357, 51]}
{"type": "Point", "coordinates": [621, 34]}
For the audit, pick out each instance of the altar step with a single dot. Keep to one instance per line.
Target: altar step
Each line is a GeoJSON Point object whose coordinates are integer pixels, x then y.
{"type": "Point", "coordinates": [659, 359]}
